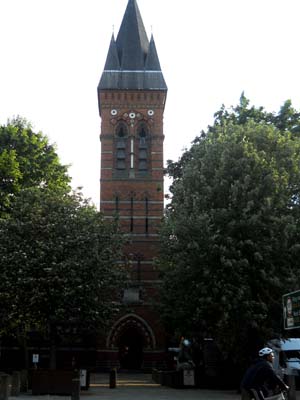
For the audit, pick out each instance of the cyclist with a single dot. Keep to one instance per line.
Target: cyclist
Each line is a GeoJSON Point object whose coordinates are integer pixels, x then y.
{"type": "Point", "coordinates": [260, 378]}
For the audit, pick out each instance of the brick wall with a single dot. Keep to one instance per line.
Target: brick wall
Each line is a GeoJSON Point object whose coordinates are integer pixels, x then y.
{"type": "Point", "coordinates": [135, 198]}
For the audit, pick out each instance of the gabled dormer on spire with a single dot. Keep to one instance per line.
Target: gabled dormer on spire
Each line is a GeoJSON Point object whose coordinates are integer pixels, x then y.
{"type": "Point", "coordinates": [132, 62]}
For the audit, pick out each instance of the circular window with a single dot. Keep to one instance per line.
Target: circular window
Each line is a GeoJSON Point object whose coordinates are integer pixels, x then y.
{"type": "Point", "coordinates": [113, 112]}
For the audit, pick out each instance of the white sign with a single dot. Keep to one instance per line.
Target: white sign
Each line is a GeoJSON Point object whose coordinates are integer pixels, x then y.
{"type": "Point", "coordinates": [35, 358]}
{"type": "Point", "coordinates": [188, 377]}
{"type": "Point", "coordinates": [83, 377]}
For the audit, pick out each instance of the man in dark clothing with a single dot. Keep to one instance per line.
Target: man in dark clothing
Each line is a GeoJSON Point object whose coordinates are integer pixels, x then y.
{"type": "Point", "coordinates": [184, 359]}
{"type": "Point", "coordinates": [261, 376]}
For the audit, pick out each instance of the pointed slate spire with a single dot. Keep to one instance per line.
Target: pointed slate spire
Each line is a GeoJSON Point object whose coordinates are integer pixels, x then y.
{"type": "Point", "coordinates": [132, 62]}
{"type": "Point", "coordinates": [112, 60]}
{"type": "Point", "coordinates": [152, 61]}
{"type": "Point", "coordinates": [132, 40]}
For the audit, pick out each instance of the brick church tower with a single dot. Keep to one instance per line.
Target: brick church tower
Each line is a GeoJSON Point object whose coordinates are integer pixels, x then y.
{"type": "Point", "coordinates": [132, 95]}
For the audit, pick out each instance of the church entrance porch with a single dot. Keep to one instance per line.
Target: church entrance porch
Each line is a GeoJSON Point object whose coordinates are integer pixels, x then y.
{"type": "Point", "coordinates": [133, 339]}
{"type": "Point", "coordinates": [131, 350]}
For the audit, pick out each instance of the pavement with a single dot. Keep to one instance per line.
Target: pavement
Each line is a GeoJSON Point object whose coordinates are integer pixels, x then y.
{"type": "Point", "coordinates": [135, 387]}
{"type": "Point", "coordinates": [138, 387]}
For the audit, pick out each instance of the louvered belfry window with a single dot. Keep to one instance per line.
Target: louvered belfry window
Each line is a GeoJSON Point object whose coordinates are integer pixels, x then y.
{"type": "Point", "coordinates": [142, 149]}
{"type": "Point", "coordinates": [121, 147]}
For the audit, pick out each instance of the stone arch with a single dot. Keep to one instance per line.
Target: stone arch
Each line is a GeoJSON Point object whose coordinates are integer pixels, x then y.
{"type": "Point", "coordinates": [131, 321]}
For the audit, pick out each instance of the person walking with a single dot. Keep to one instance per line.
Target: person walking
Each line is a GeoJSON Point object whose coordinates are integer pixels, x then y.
{"type": "Point", "coordinates": [260, 379]}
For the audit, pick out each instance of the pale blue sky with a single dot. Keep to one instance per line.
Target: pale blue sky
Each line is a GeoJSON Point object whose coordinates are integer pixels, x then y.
{"type": "Point", "coordinates": [53, 53]}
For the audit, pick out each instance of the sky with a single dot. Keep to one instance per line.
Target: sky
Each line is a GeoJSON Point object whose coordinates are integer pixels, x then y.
{"type": "Point", "coordinates": [53, 53]}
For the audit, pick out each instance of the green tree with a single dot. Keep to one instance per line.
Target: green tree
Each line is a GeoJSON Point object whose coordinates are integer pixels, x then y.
{"type": "Point", "coordinates": [27, 160]}
{"type": "Point", "coordinates": [58, 265]}
{"type": "Point", "coordinates": [9, 177]}
{"type": "Point", "coordinates": [287, 119]}
{"type": "Point", "coordinates": [231, 237]}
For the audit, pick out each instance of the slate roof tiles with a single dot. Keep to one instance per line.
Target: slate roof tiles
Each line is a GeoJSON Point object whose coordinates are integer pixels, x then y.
{"type": "Point", "coordinates": [132, 62]}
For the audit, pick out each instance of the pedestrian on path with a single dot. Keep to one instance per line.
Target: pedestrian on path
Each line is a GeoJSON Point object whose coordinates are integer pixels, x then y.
{"type": "Point", "coordinates": [261, 379]}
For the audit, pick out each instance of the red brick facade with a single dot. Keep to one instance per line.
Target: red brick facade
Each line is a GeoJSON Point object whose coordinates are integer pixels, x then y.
{"type": "Point", "coordinates": [137, 198]}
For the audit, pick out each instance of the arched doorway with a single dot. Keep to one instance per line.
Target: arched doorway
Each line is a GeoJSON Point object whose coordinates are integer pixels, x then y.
{"type": "Point", "coordinates": [131, 336]}
{"type": "Point", "coordinates": [131, 349]}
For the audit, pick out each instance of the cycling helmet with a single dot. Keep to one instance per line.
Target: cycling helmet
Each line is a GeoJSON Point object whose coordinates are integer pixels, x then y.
{"type": "Point", "coordinates": [265, 351]}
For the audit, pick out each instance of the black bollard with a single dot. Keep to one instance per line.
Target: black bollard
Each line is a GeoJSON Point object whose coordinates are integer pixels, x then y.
{"type": "Point", "coordinates": [24, 380]}
{"type": "Point", "coordinates": [4, 386]}
{"type": "Point", "coordinates": [113, 378]}
{"type": "Point", "coordinates": [75, 388]}
{"type": "Point", "coordinates": [292, 384]}
{"type": "Point", "coordinates": [15, 383]}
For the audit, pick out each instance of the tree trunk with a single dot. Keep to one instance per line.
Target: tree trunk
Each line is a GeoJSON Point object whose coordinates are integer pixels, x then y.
{"type": "Point", "coordinates": [52, 335]}
{"type": "Point", "coordinates": [26, 355]}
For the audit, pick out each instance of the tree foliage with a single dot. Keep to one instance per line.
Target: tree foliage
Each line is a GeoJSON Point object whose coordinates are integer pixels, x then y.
{"type": "Point", "coordinates": [58, 270]}
{"type": "Point", "coordinates": [58, 263]}
{"type": "Point", "coordinates": [231, 237]}
{"type": "Point", "coordinates": [27, 160]}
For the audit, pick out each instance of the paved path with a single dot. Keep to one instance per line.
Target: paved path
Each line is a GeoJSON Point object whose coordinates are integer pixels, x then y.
{"type": "Point", "coordinates": [141, 387]}
{"type": "Point", "coordinates": [138, 387]}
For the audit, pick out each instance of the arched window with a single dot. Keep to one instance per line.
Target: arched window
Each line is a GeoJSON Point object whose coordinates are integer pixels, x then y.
{"type": "Point", "coordinates": [121, 147]}
{"type": "Point", "coordinates": [143, 144]}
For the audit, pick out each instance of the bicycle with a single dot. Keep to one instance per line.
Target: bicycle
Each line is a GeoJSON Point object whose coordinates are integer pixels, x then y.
{"type": "Point", "coordinates": [282, 395]}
